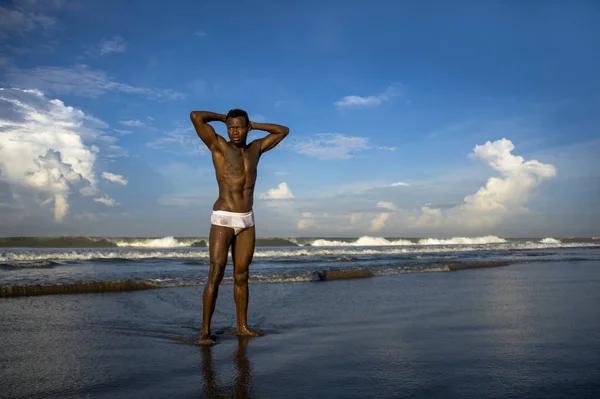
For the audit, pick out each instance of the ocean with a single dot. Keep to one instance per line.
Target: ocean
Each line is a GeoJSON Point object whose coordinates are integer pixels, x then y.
{"type": "Point", "coordinates": [136, 263]}
{"type": "Point", "coordinates": [482, 317]}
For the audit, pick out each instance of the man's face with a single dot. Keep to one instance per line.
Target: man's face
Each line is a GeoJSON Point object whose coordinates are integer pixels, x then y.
{"type": "Point", "coordinates": [237, 129]}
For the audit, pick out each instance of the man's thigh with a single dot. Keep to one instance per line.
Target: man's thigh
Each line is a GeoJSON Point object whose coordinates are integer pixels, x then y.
{"type": "Point", "coordinates": [243, 249]}
{"type": "Point", "coordinates": [219, 241]}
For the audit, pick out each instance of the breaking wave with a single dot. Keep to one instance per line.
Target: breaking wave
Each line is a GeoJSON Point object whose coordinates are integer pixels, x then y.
{"type": "Point", "coordinates": [551, 241]}
{"type": "Point", "coordinates": [367, 241]}
{"type": "Point", "coordinates": [164, 242]}
{"type": "Point", "coordinates": [126, 242]}
{"type": "Point", "coordinates": [283, 254]}
{"type": "Point", "coordinates": [183, 242]}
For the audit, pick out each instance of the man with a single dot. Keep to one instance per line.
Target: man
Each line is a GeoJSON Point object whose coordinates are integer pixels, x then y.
{"type": "Point", "coordinates": [232, 219]}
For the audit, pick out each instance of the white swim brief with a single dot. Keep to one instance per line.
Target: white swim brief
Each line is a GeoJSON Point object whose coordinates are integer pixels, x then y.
{"type": "Point", "coordinates": [237, 221]}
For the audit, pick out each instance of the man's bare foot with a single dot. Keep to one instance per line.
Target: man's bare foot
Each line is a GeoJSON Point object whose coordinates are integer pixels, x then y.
{"type": "Point", "coordinates": [248, 332]}
{"type": "Point", "coordinates": [206, 340]}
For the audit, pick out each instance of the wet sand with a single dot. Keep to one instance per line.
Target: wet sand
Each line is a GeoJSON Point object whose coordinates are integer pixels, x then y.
{"type": "Point", "coordinates": [521, 331]}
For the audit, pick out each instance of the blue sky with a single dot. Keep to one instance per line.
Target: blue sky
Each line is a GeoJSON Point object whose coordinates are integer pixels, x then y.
{"type": "Point", "coordinates": [432, 119]}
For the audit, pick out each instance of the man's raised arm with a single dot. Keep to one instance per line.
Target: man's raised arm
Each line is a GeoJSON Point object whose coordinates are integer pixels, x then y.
{"type": "Point", "coordinates": [205, 131]}
{"type": "Point", "coordinates": [277, 133]}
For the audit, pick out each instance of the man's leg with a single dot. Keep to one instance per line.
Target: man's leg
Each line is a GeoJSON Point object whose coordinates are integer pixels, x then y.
{"type": "Point", "coordinates": [218, 247]}
{"type": "Point", "coordinates": [242, 251]}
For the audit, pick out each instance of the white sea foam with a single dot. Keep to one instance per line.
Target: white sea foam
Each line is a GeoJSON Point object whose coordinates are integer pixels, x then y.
{"type": "Point", "coordinates": [89, 255]}
{"type": "Point", "coordinates": [164, 242]}
{"type": "Point", "coordinates": [367, 241]}
{"type": "Point", "coordinates": [463, 241]}
{"type": "Point", "coordinates": [551, 241]}
{"type": "Point", "coordinates": [335, 249]}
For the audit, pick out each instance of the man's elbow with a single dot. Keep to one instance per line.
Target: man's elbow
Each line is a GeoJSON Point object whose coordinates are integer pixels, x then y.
{"type": "Point", "coordinates": [196, 116]}
{"type": "Point", "coordinates": [286, 131]}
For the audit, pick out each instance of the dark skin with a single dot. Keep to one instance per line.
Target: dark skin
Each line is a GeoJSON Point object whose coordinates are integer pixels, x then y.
{"type": "Point", "coordinates": [235, 164]}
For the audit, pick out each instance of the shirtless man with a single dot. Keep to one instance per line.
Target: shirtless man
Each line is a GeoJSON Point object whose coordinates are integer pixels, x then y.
{"type": "Point", "coordinates": [232, 219]}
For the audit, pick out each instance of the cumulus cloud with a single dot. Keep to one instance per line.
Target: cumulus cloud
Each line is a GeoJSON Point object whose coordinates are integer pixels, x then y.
{"type": "Point", "coordinates": [106, 200]}
{"type": "Point", "coordinates": [79, 80]}
{"type": "Point", "coordinates": [114, 178]}
{"type": "Point", "coordinates": [281, 192]}
{"type": "Point", "coordinates": [379, 221]}
{"type": "Point", "coordinates": [335, 146]}
{"type": "Point", "coordinates": [387, 205]}
{"type": "Point", "coordinates": [355, 101]}
{"type": "Point", "coordinates": [45, 148]}
{"type": "Point", "coordinates": [115, 44]}
{"type": "Point", "coordinates": [500, 197]}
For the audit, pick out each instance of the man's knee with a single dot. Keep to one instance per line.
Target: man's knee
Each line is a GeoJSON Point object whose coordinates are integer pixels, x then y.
{"type": "Point", "coordinates": [217, 270]}
{"type": "Point", "coordinates": [241, 277]}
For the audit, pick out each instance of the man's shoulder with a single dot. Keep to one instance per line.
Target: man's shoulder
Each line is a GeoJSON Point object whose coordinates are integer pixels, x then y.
{"type": "Point", "coordinates": [255, 144]}
{"type": "Point", "coordinates": [220, 145]}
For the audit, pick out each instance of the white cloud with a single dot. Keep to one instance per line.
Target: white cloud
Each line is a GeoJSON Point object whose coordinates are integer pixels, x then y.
{"type": "Point", "coordinates": [79, 80]}
{"type": "Point", "coordinates": [355, 101]}
{"type": "Point", "coordinates": [379, 221]}
{"type": "Point", "coordinates": [500, 197]}
{"type": "Point", "coordinates": [122, 131]}
{"type": "Point", "coordinates": [387, 205]}
{"type": "Point", "coordinates": [335, 146]}
{"type": "Point", "coordinates": [106, 200]}
{"type": "Point", "coordinates": [281, 192]}
{"type": "Point", "coordinates": [44, 147]}
{"type": "Point", "coordinates": [200, 33]}
{"type": "Point", "coordinates": [132, 123]}
{"type": "Point", "coordinates": [114, 178]}
{"type": "Point", "coordinates": [115, 44]}
{"type": "Point", "coordinates": [399, 184]}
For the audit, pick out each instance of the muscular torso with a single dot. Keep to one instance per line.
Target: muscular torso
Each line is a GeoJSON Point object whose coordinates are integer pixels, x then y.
{"type": "Point", "coordinates": [236, 175]}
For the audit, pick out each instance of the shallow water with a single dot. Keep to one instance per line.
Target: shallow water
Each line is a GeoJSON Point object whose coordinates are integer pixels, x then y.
{"type": "Point", "coordinates": [522, 331]}
{"type": "Point", "coordinates": [171, 267]}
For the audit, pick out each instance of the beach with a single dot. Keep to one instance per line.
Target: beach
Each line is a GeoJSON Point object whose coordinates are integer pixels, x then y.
{"type": "Point", "coordinates": [526, 330]}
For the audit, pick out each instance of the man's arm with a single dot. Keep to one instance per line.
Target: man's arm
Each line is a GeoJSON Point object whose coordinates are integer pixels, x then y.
{"type": "Point", "coordinates": [205, 131]}
{"type": "Point", "coordinates": [277, 133]}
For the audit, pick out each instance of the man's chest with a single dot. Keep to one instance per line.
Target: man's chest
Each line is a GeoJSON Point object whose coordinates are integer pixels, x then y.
{"type": "Point", "coordinates": [240, 161]}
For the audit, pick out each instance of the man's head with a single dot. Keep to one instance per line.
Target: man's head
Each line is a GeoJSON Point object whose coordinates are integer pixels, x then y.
{"type": "Point", "coordinates": [238, 125]}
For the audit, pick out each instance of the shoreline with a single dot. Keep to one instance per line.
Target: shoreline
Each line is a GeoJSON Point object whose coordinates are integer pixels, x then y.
{"type": "Point", "coordinates": [86, 287]}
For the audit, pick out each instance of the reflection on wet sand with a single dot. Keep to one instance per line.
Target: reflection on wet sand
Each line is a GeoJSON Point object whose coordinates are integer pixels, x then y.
{"type": "Point", "coordinates": [242, 384]}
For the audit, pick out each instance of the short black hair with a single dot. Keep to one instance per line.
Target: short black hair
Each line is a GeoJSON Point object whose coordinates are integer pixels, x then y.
{"type": "Point", "coordinates": [236, 113]}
